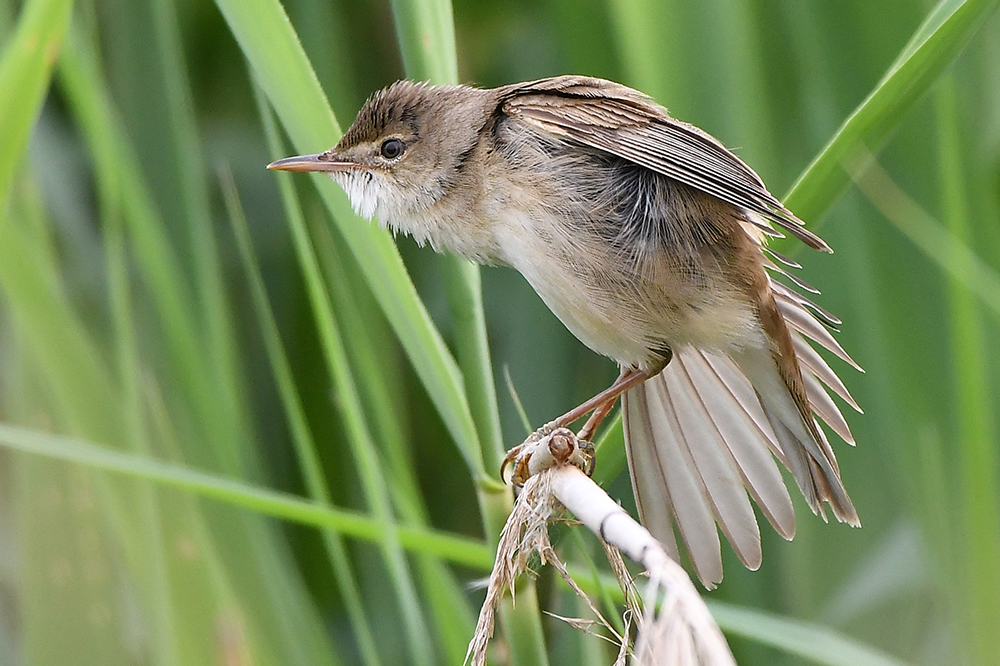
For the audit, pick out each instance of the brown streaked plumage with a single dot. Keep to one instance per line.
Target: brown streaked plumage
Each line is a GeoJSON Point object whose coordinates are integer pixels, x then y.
{"type": "Point", "coordinates": [646, 237]}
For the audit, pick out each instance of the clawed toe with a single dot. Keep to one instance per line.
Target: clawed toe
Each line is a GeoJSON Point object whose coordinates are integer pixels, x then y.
{"type": "Point", "coordinates": [548, 447]}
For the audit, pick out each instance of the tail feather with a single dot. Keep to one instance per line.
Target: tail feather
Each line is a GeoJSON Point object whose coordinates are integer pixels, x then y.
{"type": "Point", "coordinates": [648, 412]}
{"type": "Point", "coordinates": [698, 442]}
{"type": "Point", "coordinates": [739, 386]}
{"type": "Point", "coordinates": [715, 466]}
{"type": "Point", "coordinates": [701, 435]}
{"type": "Point", "coordinates": [822, 483]}
{"type": "Point", "coordinates": [743, 437]}
{"type": "Point", "coordinates": [646, 469]}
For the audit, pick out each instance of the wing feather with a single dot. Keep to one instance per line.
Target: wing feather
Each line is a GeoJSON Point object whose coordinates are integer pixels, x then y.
{"type": "Point", "coordinates": [799, 319]}
{"type": "Point", "coordinates": [622, 122]}
{"type": "Point", "coordinates": [809, 359]}
{"type": "Point", "coordinates": [824, 407]}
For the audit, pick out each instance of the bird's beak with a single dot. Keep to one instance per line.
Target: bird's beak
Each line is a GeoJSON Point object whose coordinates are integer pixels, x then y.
{"type": "Point", "coordinates": [317, 162]}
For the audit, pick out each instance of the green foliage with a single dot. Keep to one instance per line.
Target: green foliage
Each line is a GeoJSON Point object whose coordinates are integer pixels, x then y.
{"type": "Point", "coordinates": [243, 426]}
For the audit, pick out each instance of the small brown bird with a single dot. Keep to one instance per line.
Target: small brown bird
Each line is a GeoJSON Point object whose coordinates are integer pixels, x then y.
{"type": "Point", "coordinates": [646, 237]}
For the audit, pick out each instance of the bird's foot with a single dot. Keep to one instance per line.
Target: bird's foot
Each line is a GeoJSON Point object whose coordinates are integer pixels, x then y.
{"type": "Point", "coordinates": [549, 446]}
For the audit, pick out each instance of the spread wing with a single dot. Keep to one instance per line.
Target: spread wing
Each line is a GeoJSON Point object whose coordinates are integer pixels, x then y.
{"type": "Point", "coordinates": [620, 121]}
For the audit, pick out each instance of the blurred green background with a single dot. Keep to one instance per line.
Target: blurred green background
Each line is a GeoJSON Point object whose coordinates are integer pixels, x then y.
{"type": "Point", "coordinates": [164, 298]}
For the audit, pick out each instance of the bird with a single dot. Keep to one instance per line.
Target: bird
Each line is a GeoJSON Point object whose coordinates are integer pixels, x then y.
{"type": "Point", "coordinates": [648, 239]}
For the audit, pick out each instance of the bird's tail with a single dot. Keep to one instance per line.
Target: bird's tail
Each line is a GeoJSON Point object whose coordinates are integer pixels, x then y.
{"type": "Point", "coordinates": [701, 435]}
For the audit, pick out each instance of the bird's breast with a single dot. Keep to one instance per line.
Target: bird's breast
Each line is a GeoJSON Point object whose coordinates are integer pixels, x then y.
{"type": "Point", "coordinates": [627, 306]}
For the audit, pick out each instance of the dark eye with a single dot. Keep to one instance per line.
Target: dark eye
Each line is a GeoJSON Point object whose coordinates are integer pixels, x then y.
{"type": "Point", "coordinates": [392, 148]}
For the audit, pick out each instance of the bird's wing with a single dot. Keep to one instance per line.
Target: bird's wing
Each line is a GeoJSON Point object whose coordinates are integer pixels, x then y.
{"type": "Point", "coordinates": [620, 121]}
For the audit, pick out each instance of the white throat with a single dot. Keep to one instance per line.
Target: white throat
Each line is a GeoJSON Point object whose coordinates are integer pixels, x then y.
{"type": "Point", "coordinates": [420, 214]}
{"type": "Point", "coordinates": [366, 191]}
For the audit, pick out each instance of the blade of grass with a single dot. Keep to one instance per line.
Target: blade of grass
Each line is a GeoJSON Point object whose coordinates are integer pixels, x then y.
{"type": "Point", "coordinates": [977, 481]}
{"type": "Point", "coordinates": [802, 639]}
{"type": "Point", "coordinates": [610, 451]}
{"type": "Point", "coordinates": [193, 185]}
{"type": "Point", "coordinates": [385, 415]}
{"type": "Point", "coordinates": [70, 362]}
{"type": "Point", "coordinates": [463, 283]}
{"type": "Point", "coordinates": [232, 610]}
{"type": "Point", "coordinates": [936, 242]}
{"type": "Point", "coordinates": [366, 456]}
{"type": "Point", "coordinates": [636, 24]}
{"type": "Point", "coordinates": [385, 397]}
{"type": "Point", "coordinates": [80, 77]}
{"type": "Point", "coordinates": [281, 621]}
{"type": "Point", "coordinates": [282, 69]}
{"type": "Point", "coordinates": [746, 120]}
{"type": "Point", "coordinates": [457, 549]}
{"type": "Point", "coordinates": [426, 35]}
{"type": "Point", "coordinates": [305, 446]}
{"type": "Point", "coordinates": [60, 364]}
{"type": "Point", "coordinates": [160, 600]}
{"type": "Point", "coordinates": [871, 123]}
{"type": "Point", "coordinates": [324, 315]}
{"type": "Point", "coordinates": [454, 616]}
{"type": "Point", "coordinates": [325, 31]}
{"type": "Point", "coordinates": [84, 400]}
{"type": "Point", "coordinates": [895, 567]}
{"type": "Point", "coordinates": [6, 19]}
{"type": "Point", "coordinates": [25, 70]}
{"type": "Point", "coordinates": [817, 644]}
{"type": "Point", "coordinates": [587, 563]}
{"type": "Point", "coordinates": [516, 399]}
{"type": "Point", "coordinates": [57, 505]}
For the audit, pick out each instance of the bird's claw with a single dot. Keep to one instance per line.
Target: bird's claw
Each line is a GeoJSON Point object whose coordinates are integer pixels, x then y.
{"type": "Point", "coordinates": [588, 452]}
{"type": "Point", "coordinates": [520, 455]}
{"type": "Point", "coordinates": [548, 446]}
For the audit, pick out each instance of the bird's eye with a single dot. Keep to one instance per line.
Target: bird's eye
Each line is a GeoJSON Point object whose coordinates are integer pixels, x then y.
{"type": "Point", "coordinates": [392, 148]}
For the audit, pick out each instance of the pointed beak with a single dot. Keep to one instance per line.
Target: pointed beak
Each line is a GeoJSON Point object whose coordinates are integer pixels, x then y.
{"type": "Point", "coordinates": [317, 162]}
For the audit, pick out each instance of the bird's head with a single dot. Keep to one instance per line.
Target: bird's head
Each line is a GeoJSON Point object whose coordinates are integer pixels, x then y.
{"type": "Point", "coordinates": [404, 150]}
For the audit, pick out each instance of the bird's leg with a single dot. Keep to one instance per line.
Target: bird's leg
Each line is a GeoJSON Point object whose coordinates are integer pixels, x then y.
{"type": "Point", "coordinates": [593, 423]}
{"type": "Point", "coordinates": [601, 405]}
{"type": "Point", "coordinates": [628, 378]}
